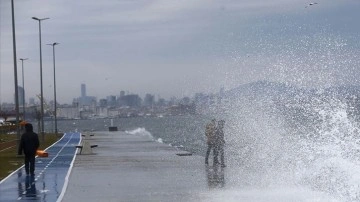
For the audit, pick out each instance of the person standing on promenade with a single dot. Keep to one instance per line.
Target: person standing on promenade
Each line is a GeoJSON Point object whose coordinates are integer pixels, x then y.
{"type": "Point", "coordinates": [220, 141]}
{"type": "Point", "coordinates": [29, 143]}
{"type": "Point", "coordinates": [210, 135]}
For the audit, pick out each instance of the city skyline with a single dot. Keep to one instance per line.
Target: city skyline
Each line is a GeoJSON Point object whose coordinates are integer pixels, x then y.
{"type": "Point", "coordinates": [83, 94]}
{"type": "Point", "coordinates": [172, 48]}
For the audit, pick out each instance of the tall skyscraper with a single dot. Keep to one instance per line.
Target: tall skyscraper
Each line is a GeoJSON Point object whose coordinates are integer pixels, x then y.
{"type": "Point", "coordinates": [85, 100]}
{"type": "Point", "coordinates": [122, 93]}
{"type": "Point", "coordinates": [83, 90]}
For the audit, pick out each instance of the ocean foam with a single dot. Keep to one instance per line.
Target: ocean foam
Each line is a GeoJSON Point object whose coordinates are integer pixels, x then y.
{"type": "Point", "coordinates": [142, 132]}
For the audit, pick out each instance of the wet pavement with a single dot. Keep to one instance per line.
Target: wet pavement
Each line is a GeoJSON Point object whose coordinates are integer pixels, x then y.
{"type": "Point", "coordinates": [135, 168]}
{"type": "Point", "coordinates": [127, 167]}
{"type": "Point", "coordinates": [50, 174]}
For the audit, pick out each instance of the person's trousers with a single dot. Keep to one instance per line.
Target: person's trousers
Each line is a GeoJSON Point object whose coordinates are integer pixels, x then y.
{"type": "Point", "coordinates": [220, 150]}
{"type": "Point", "coordinates": [30, 164]}
{"type": "Point", "coordinates": [209, 148]}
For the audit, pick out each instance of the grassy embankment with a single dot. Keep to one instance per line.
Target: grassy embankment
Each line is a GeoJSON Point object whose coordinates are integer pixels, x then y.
{"type": "Point", "coordinates": [9, 160]}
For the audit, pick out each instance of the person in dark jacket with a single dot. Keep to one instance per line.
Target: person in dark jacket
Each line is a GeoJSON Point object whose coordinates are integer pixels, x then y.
{"type": "Point", "coordinates": [29, 143]}
{"type": "Point", "coordinates": [220, 141]}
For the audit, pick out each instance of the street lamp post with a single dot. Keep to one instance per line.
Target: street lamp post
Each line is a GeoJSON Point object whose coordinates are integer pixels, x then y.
{"type": "Point", "coordinates": [41, 82]}
{"type": "Point", "coordinates": [55, 107]}
{"type": "Point", "coordinates": [23, 84]}
{"type": "Point", "coordinates": [15, 74]}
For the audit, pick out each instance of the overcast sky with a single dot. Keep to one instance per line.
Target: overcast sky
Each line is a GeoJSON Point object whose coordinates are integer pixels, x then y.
{"type": "Point", "coordinates": [178, 47]}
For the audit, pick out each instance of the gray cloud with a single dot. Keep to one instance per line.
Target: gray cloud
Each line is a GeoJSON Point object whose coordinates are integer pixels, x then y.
{"type": "Point", "coordinates": [176, 48]}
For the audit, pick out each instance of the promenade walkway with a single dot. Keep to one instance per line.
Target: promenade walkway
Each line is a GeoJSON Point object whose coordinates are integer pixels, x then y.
{"type": "Point", "coordinates": [49, 177]}
{"type": "Point", "coordinates": [128, 167]}
{"type": "Point", "coordinates": [134, 168]}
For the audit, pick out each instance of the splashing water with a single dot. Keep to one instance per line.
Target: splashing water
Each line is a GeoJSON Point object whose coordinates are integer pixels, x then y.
{"type": "Point", "coordinates": [310, 141]}
{"type": "Point", "coordinates": [142, 132]}
{"type": "Point", "coordinates": [334, 150]}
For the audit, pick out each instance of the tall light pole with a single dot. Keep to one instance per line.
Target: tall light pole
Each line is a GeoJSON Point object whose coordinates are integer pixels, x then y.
{"type": "Point", "coordinates": [15, 75]}
{"type": "Point", "coordinates": [41, 82]}
{"type": "Point", "coordinates": [55, 107]}
{"type": "Point", "coordinates": [23, 84]}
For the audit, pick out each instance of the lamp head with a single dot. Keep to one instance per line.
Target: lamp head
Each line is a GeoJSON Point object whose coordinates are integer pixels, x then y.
{"type": "Point", "coordinates": [53, 44]}
{"type": "Point", "coordinates": [39, 19]}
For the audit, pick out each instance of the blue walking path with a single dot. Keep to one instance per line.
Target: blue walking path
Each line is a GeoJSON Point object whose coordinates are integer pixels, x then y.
{"type": "Point", "coordinates": [51, 174]}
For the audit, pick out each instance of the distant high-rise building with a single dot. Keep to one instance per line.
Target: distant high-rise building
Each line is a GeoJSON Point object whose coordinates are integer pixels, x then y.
{"type": "Point", "coordinates": [149, 100]}
{"type": "Point", "coordinates": [161, 102]}
{"type": "Point", "coordinates": [132, 100]}
{"type": "Point", "coordinates": [111, 100]}
{"type": "Point", "coordinates": [83, 90]}
{"type": "Point", "coordinates": [122, 93]}
{"type": "Point", "coordinates": [103, 103]}
{"type": "Point", "coordinates": [85, 100]}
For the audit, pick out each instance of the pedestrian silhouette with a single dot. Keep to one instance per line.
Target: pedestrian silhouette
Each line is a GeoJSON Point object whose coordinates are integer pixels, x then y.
{"type": "Point", "coordinates": [29, 143]}
{"type": "Point", "coordinates": [210, 135]}
{"type": "Point", "coordinates": [220, 142]}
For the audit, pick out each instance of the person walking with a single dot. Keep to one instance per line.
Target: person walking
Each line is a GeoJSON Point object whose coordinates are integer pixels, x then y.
{"type": "Point", "coordinates": [29, 143]}
{"type": "Point", "coordinates": [220, 141]}
{"type": "Point", "coordinates": [210, 135]}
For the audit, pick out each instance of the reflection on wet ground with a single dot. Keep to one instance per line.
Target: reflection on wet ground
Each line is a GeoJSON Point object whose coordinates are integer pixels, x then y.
{"type": "Point", "coordinates": [50, 174]}
{"type": "Point", "coordinates": [27, 188]}
{"type": "Point", "coordinates": [215, 176]}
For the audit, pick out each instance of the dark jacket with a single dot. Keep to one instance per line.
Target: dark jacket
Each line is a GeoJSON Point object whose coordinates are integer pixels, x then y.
{"type": "Point", "coordinates": [220, 140]}
{"type": "Point", "coordinates": [29, 143]}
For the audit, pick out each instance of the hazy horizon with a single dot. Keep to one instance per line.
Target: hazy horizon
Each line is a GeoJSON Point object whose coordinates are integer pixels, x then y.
{"type": "Point", "coordinates": [172, 48]}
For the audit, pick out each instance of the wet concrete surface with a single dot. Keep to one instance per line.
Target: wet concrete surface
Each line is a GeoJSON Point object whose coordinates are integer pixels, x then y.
{"type": "Point", "coordinates": [127, 167]}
